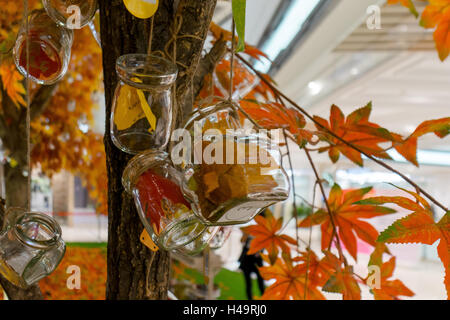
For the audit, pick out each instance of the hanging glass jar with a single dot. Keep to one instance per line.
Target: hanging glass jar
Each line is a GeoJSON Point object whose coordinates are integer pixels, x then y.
{"type": "Point", "coordinates": [49, 49]}
{"type": "Point", "coordinates": [71, 14]}
{"type": "Point", "coordinates": [30, 248]}
{"type": "Point", "coordinates": [238, 177]}
{"type": "Point", "coordinates": [221, 237]}
{"type": "Point", "coordinates": [141, 116]}
{"type": "Point", "coordinates": [162, 207]}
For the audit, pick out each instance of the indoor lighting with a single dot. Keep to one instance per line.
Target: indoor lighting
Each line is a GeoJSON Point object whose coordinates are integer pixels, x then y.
{"type": "Point", "coordinates": [315, 87]}
{"type": "Point", "coordinates": [291, 24]}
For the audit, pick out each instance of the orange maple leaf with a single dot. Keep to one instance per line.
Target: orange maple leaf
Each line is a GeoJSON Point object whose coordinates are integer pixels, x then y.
{"type": "Point", "coordinates": [11, 79]}
{"type": "Point", "coordinates": [266, 236]}
{"type": "Point", "coordinates": [319, 270]}
{"type": "Point", "coordinates": [347, 217]}
{"type": "Point", "coordinates": [274, 115]}
{"type": "Point", "coordinates": [390, 289]}
{"type": "Point", "coordinates": [355, 129]}
{"type": "Point", "coordinates": [418, 227]}
{"type": "Point", "coordinates": [343, 280]}
{"type": "Point", "coordinates": [408, 147]}
{"type": "Point", "coordinates": [290, 282]}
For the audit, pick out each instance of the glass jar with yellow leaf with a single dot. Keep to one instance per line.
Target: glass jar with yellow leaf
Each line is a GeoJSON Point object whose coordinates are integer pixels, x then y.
{"type": "Point", "coordinates": [141, 117]}
{"type": "Point", "coordinates": [231, 175]}
{"type": "Point", "coordinates": [163, 209]}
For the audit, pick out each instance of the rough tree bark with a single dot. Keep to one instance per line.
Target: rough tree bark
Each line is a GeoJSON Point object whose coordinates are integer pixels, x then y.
{"type": "Point", "coordinates": [121, 33]}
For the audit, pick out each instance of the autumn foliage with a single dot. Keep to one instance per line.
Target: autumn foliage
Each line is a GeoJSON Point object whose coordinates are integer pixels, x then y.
{"type": "Point", "coordinates": [62, 139]}
{"type": "Point", "coordinates": [435, 16]}
{"type": "Point", "coordinates": [61, 135]}
{"type": "Point", "coordinates": [92, 267]}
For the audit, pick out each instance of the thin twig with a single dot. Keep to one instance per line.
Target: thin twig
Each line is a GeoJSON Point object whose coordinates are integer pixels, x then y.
{"type": "Point", "coordinates": [293, 184]}
{"type": "Point", "coordinates": [330, 213]}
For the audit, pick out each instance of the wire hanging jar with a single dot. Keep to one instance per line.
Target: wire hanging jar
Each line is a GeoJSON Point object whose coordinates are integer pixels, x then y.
{"type": "Point", "coordinates": [162, 207]}
{"type": "Point", "coordinates": [71, 14]}
{"type": "Point", "coordinates": [30, 248]}
{"type": "Point", "coordinates": [141, 117]}
{"type": "Point", "coordinates": [49, 49]}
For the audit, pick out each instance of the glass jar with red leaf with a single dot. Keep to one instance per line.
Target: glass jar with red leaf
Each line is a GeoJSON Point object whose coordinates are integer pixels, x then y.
{"type": "Point", "coordinates": [49, 49]}
{"type": "Point", "coordinates": [161, 205]}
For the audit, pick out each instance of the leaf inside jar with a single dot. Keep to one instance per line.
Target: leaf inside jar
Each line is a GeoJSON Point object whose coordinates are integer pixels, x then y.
{"type": "Point", "coordinates": [161, 200]}
{"type": "Point", "coordinates": [219, 184]}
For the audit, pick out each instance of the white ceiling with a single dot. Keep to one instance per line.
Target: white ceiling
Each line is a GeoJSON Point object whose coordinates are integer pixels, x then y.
{"type": "Point", "coordinates": [408, 88]}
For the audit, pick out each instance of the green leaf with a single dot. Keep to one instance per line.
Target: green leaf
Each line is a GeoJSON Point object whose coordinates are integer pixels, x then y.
{"type": "Point", "coordinates": [239, 8]}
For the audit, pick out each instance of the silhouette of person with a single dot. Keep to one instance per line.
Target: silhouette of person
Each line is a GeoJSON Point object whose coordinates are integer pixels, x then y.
{"type": "Point", "coordinates": [249, 264]}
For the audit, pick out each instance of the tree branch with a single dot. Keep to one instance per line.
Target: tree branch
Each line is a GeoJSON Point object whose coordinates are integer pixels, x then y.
{"type": "Point", "coordinates": [194, 18]}
{"type": "Point", "coordinates": [205, 67]}
{"type": "Point", "coordinates": [330, 213]}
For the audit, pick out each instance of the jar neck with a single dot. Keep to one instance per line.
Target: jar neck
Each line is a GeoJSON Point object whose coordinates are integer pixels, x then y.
{"type": "Point", "coordinates": [37, 230]}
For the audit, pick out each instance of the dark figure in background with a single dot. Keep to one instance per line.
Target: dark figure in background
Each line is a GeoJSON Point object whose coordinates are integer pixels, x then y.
{"type": "Point", "coordinates": [249, 264]}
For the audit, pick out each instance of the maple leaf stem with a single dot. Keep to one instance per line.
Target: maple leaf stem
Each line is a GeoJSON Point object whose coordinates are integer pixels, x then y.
{"type": "Point", "coordinates": [333, 223]}
{"type": "Point", "coordinates": [306, 114]}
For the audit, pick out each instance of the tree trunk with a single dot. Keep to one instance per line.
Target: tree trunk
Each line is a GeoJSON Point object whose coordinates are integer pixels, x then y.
{"type": "Point", "coordinates": [121, 33]}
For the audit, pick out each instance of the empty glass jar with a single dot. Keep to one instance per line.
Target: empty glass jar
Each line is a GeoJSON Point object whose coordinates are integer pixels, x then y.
{"type": "Point", "coordinates": [71, 14]}
{"type": "Point", "coordinates": [30, 248]}
{"type": "Point", "coordinates": [162, 207]}
{"type": "Point", "coordinates": [239, 176]}
{"type": "Point", "coordinates": [49, 49]}
{"type": "Point", "coordinates": [141, 116]}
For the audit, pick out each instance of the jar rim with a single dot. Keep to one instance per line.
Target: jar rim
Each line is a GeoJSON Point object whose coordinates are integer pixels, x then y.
{"type": "Point", "coordinates": [209, 110]}
{"type": "Point", "coordinates": [131, 69]}
{"type": "Point", "coordinates": [42, 219]}
{"type": "Point", "coordinates": [139, 164]}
